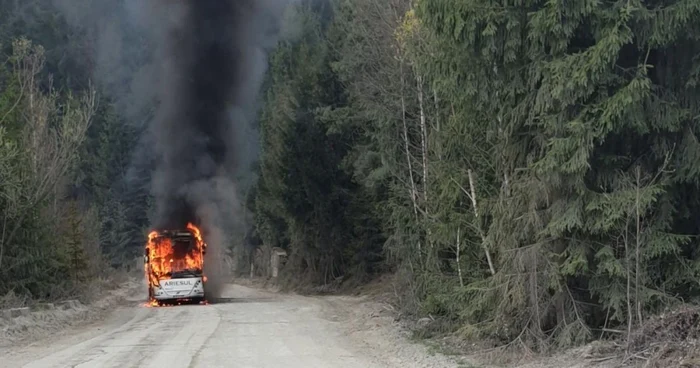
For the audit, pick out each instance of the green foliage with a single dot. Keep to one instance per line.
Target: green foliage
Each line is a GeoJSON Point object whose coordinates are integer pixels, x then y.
{"type": "Point", "coordinates": [76, 254]}
{"type": "Point", "coordinates": [532, 166]}
{"type": "Point", "coordinates": [101, 180]}
{"type": "Point", "coordinates": [40, 138]}
{"type": "Point", "coordinates": [578, 100]}
{"type": "Point", "coordinates": [64, 198]}
{"type": "Point", "coordinates": [305, 200]}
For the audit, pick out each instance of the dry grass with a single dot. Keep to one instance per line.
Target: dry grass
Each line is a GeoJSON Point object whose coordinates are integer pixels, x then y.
{"type": "Point", "coordinates": [43, 323]}
{"type": "Point", "coordinates": [671, 339]}
{"type": "Point", "coordinates": [12, 300]}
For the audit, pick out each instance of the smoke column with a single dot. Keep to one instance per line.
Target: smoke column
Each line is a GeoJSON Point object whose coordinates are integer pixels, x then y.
{"type": "Point", "coordinates": [192, 127]}
{"type": "Point", "coordinates": [191, 70]}
{"type": "Point", "coordinates": [213, 54]}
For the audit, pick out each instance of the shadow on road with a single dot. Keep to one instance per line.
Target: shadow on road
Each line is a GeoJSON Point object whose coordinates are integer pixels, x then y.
{"type": "Point", "coordinates": [182, 303]}
{"type": "Point", "coordinates": [224, 300]}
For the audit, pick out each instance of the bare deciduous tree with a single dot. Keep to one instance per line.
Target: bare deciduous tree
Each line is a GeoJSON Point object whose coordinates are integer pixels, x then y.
{"type": "Point", "coordinates": [47, 148]}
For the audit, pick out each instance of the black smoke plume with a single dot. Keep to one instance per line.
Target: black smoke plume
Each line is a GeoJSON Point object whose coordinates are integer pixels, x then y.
{"type": "Point", "coordinates": [200, 68]}
{"type": "Point", "coordinates": [213, 61]}
{"type": "Point", "coordinates": [193, 126]}
{"type": "Point", "coordinates": [191, 71]}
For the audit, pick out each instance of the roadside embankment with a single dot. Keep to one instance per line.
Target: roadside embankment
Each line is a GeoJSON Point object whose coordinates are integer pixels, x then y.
{"type": "Point", "coordinates": [43, 319]}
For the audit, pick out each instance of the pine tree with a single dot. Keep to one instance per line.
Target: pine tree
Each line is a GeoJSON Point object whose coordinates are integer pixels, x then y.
{"type": "Point", "coordinates": [573, 92]}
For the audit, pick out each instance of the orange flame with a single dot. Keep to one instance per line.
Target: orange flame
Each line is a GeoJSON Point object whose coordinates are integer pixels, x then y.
{"type": "Point", "coordinates": [166, 257]}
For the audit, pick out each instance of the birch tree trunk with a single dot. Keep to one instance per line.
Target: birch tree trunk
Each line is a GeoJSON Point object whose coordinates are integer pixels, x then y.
{"type": "Point", "coordinates": [459, 266]}
{"type": "Point", "coordinates": [413, 191]}
{"type": "Point", "coordinates": [637, 248]}
{"type": "Point", "coordinates": [424, 155]}
{"type": "Point", "coordinates": [472, 189]}
{"type": "Point", "coordinates": [424, 140]}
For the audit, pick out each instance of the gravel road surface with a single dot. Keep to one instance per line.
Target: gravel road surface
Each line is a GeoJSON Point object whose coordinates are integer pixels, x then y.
{"type": "Point", "coordinates": [247, 329]}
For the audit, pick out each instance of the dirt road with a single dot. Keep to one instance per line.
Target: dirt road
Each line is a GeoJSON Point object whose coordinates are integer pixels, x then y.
{"type": "Point", "coordinates": [249, 329]}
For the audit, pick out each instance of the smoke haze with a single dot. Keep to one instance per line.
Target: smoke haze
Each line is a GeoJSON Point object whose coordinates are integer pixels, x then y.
{"type": "Point", "coordinates": [190, 70]}
{"type": "Point", "coordinates": [213, 60]}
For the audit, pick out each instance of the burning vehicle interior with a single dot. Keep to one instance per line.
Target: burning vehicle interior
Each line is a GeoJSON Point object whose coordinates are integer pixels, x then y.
{"type": "Point", "coordinates": [172, 255]}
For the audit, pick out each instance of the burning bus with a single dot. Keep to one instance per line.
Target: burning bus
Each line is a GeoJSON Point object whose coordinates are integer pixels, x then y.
{"type": "Point", "coordinates": [174, 265]}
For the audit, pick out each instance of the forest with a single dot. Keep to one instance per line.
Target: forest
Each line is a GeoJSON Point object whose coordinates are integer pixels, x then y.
{"type": "Point", "coordinates": [528, 170]}
{"type": "Point", "coordinates": [73, 200]}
